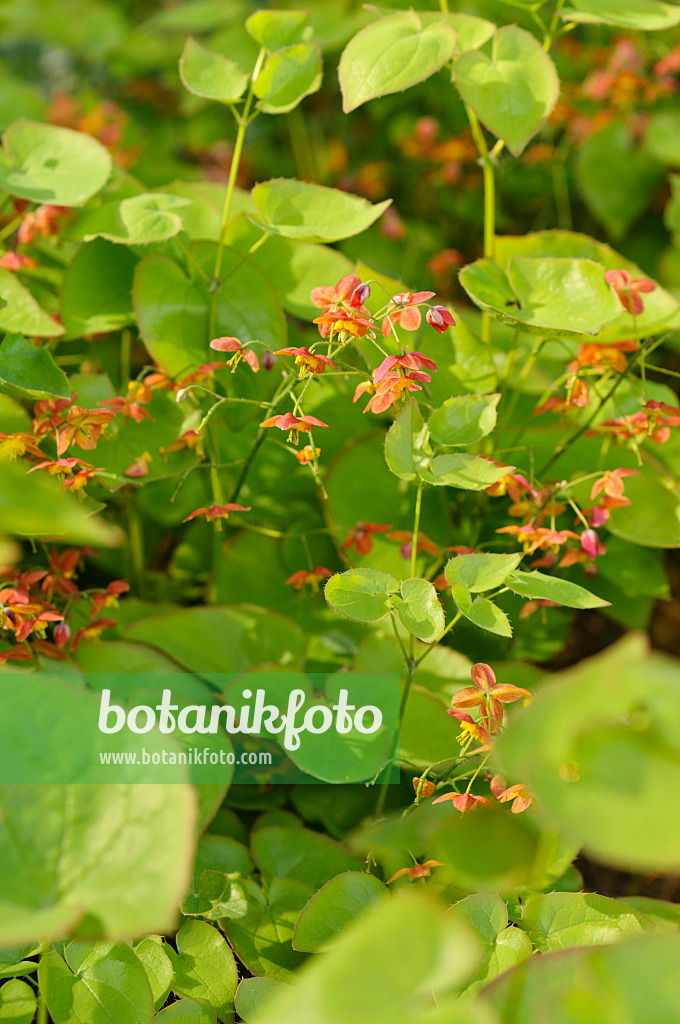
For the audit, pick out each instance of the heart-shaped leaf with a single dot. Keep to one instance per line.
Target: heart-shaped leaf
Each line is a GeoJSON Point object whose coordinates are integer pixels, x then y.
{"type": "Point", "coordinates": [464, 419]}
{"type": "Point", "coordinates": [100, 982]}
{"type": "Point", "coordinates": [392, 54]}
{"type": "Point", "coordinates": [406, 444]}
{"type": "Point", "coordinates": [420, 611]}
{"type": "Point", "coordinates": [559, 295]}
{"type": "Point", "coordinates": [361, 594]}
{"type": "Point", "coordinates": [211, 75]}
{"type": "Point", "coordinates": [469, 472]}
{"type": "Point", "coordinates": [20, 312]}
{"type": "Point", "coordinates": [641, 14]}
{"type": "Point", "coordinates": [335, 906]}
{"type": "Point", "coordinates": [481, 572]}
{"type": "Point", "coordinates": [288, 76]}
{"type": "Point", "coordinates": [274, 29]}
{"type": "Point", "coordinates": [17, 1002]}
{"type": "Point", "coordinates": [29, 372]}
{"type": "Point", "coordinates": [204, 967]}
{"type": "Point", "coordinates": [538, 586]}
{"type": "Point", "coordinates": [47, 164]}
{"type": "Point", "coordinates": [134, 221]}
{"type": "Point", "coordinates": [513, 91]}
{"type": "Point", "coordinates": [312, 213]}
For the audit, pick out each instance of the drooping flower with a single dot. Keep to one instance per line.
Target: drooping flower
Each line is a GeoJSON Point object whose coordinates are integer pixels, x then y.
{"type": "Point", "coordinates": [191, 439]}
{"type": "Point", "coordinates": [44, 220]}
{"type": "Point", "coordinates": [13, 261]}
{"type": "Point", "coordinates": [108, 598]}
{"type": "Point", "coordinates": [309, 362]}
{"type": "Point", "coordinates": [295, 425]}
{"type": "Point", "coordinates": [62, 570]}
{"type": "Point", "coordinates": [92, 631]}
{"type": "Point", "coordinates": [240, 352]}
{"type": "Point", "coordinates": [403, 310]}
{"type": "Point", "coordinates": [612, 485]}
{"type": "Point", "coordinates": [519, 795]}
{"type": "Point", "coordinates": [353, 322]}
{"type": "Point", "coordinates": [439, 318]}
{"type": "Point", "coordinates": [360, 537]}
{"type": "Point", "coordinates": [464, 801]}
{"type": "Point", "coordinates": [309, 577]}
{"type": "Point", "coordinates": [629, 290]}
{"type": "Point", "coordinates": [325, 295]}
{"type": "Point", "coordinates": [140, 466]}
{"type": "Point", "coordinates": [307, 454]}
{"type": "Point", "coordinates": [539, 538]}
{"type": "Point", "coordinates": [394, 388]}
{"type": "Point", "coordinates": [216, 512]}
{"type": "Point", "coordinates": [470, 728]}
{"type": "Point", "coordinates": [405, 539]}
{"type": "Point", "coordinates": [47, 414]}
{"type": "Point", "coordinates": [426, 787]}
{"type": "Point", "coordinates": [132, 405]}
{"type": "Point", "coordinates": [407, 361]}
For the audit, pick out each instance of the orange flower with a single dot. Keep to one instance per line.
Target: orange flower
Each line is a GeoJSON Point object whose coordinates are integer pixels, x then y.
{"type": "Point", "coordinates": [294, 424]}
{"type": "Point", "coordinates": [520, 796]}
{"type": "Point", "coordinates": [13, 261]}
{"type": "Point", "coordinates": [240, 352]}
{"type": "Point", "coordinates": [62, 568]}
{"type": "Point", "coordinates": [47, 414]}
{"type": "Point", "coordinates": [470, 728]}
{"type": "Point", "coordinates": [83, 427]}
{"type": "Point", "coordinates": [538, 538]}
{"type": "Point", "coordinates": [108, 598]}
{"type": "Point", "coordinates": [307, 454]}
{"type": "Point", "coordinates": [407, 361]}
{"type": "Point", "coordinates": [216, 512]}
{"type": "Point", "coordinates": [309, 577]}
{"type": "Point", "coordinates": [464, 801]}
{"type": "Point", "coordinates": [417, 871]}
{"type": "Point", "coordinates": [138, 394]}
{"type": "Point", "coordinates": [192, 439]}
{"type": "Point", "coordinates": [488, 695]}
{"type": "Point", "coordinates": [353, 322]}
{"type": "Point", "coordinates": [140, 467]}
{"type": "Point", "coordinates": [360, 537]}
{"type": "Point", "coordinates": [309, 362]}
{"type": "Point", "coordinates": [15, 445]}
{"type": "Point", "coordinates": [405, 538]}
{"type": "Point", "coordinates": [425, 786]}
{"type": "Point", "coordinates": [92, 631]}
{"type": "Point", "coordinates": [325, 296]}
{"type": "Point", "coordinates": [611, 483]}
{"type": "Point", "coordinates": [629, 290]}
{"type": "Point", "coordinates": [403, 310]}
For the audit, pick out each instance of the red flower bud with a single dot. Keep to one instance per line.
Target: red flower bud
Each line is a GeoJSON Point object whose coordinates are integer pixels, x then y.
{"type": "Point", "coordinates": [359, 295]}
{"type": "Point", "coordinates": [61, 634]}
{"type": "Point", "coordinates": [268, 361]}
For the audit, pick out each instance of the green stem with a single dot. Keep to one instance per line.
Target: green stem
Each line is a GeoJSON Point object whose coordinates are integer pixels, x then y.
{"type": "Point", "coordinates": [489, 203]}
{"type": "Point", "coordinates": [42, 987]}
{"type": "Point", "coordinates": [136, 547]}
{"type": "Point", "coordinates": [125, 357]}
{"type": "Point", "coordinates": [414, 557]}
{"type": "Point", "coordinates": [243, 121]}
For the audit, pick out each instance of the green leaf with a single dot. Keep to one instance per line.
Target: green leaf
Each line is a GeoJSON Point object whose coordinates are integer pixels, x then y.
{"type": "Point", "coordinates": [251, 996]}
{"type": "Point", "coordinates": [361, 594]}
{"type": "Point", "coordinates": [20, 312]}
{"type": "Point", "coordinates": [513, 91]}
{"type": "Point", "coordinates": [471, 32]}
{"type": "Point", "coordinates": [469, 472]}
{"type": "Point", "coordinates": [509, 843]}
{"type": "Point", "coordinates": [406, 443]}
{"type": "Point", "coordinates": [71, 851]}
{"type": "Point", "coordinates": [103, 982]}
{"type": "Point", "coordinates": [211, 75]}
{"type": "Point", "coordinates": [134, 221]}
{"type": "Point", "coordinates": [420, 611]}
{"type": "Point", "coordinates": [96, 291]}
{"type": "Point", "coordinates": [474, 367]}
{"type": "Point", "coordinates": [312, 213]}
{"type": "Point", "coordinates": [632, 980]}
{"type": "Point", "coordinates": [505, 946]}
{"type": "Point", "coordinates": [486, 912]}
{"type": "Point", "coordinates": [391, 55]}
{"type": "Point", "coordinates": [156, 962]}
{"type": "Point", "coordinates": [29, 372]}
{"type": "Point", "coordinates": [17, 1002]}
{"type": "Point", "coordinates": [557, 295]}
{"type": "Point", "coordinates": [642, 14]}
{"type": "Point", "coordinates": [599, 747]}
{"type": "Point", "coordinates": [288, 76]}
{"type": "Point", "coordinates": [381, 967]}
{"type": "Point", "coordinates": [205, 968]}
{"type": "Point", "coordinates": [661, 137]}
{"type": "Point", "coordinates": [664, 914]}
{"type": "Point", "coordinates": [274, 29]}
{"type": "Point", "coordinates": [617, 177]}
{"type": "Point", "coordinates": [222, 639]}
{"type": "Point", "coordinates": [334, 907]}
{"type": "Point", "coordinates": [264, 944]}
{"type": "Point", "coordinates": [301, 855]}
{"type": "Point", "coordinates": [173, 311]}
{"type": "Point", "coordinates": [464, 419]}
{"type": "Point", "coordinates": [538, 586]}
{"type": "Point", "coordinates": [560, 920]}
{"type": "Point", "coordinates": [481, 611]}
{"type": "Point", "coordinates": [47, 164]}
{"type": "Point", "coordinates": [37, 505]}
{"type": "Point", "coordinates": [187, 1011]}
{"type": "Point", "coordinates": [481, 572]}
{"type": "Point", "coordinates": [653, 517]}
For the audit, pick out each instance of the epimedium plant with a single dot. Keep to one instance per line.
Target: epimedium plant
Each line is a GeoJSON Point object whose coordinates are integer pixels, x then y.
{"type": "Point", "coordinates": [315, 422]}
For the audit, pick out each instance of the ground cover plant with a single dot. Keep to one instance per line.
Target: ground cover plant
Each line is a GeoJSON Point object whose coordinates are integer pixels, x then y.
{"type": "Point", "coordinates": [343, 342]}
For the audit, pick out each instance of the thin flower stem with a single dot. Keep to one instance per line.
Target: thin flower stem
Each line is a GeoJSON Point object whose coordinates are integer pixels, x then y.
{"type": "Point", "coordinates": [489, 203]}
{"type": "Point", "coordinates": [414, 554]}
{"type": "Point", "coordinates": [243, 121]}
{"type": "Point", "coordinates": [441, 636]}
